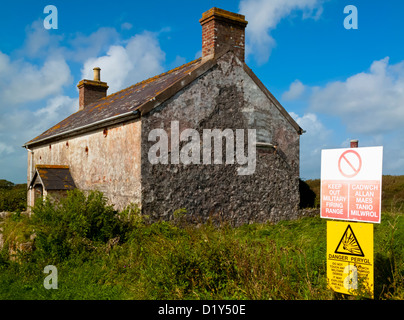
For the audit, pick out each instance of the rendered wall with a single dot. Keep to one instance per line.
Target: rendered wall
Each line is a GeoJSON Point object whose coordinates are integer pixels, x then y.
{"type": "Point", "coordinates": [107, 160]}
{"type": "Point", "coordinates": [224, 97]}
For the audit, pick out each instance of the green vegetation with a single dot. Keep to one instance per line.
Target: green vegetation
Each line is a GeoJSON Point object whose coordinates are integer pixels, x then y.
{"type": "Point", "coordinates": [393, 193]}
{"type": "Point", "coordinates": [12, 197]}
{"type": "Point", "coordinates": [103, 254]}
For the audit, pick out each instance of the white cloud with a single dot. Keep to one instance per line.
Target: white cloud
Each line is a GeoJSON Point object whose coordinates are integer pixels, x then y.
{"type": "Point", "coordinates": [295, 91]}
{"type": "Point", "coordinates": [34, 77]}
{"type": "Point", "coordinates": [21, 81]}
{"type": "Point", "coordinates": [369, 102]}
{"type": "Point", "coordinates": [18, 126]}
{"type": "Point", "coordinates": [56, 109]}
{"type": "Point", "coordinates": [5, 148]}
{"type": "Point", "coordinates": [22, 125]}
{"type": "Point", "coordinates": [123, 66]}
{"type": "Point", "coordinates": [126, 26]}
{"type": "Point", "coordinates": [115, 67]}
{"type": "Point", "coordinates": [263, 16]}
{"type": "Point", "coordinates": [35, 74]}
{"type": "Point", "coordinates": [39, 42]}
{"type": "Point", "coordinates": [84, 47]}
{"type": "Point", "coordinates": [368, 106]}
{"type": "Point", "coordinates": [316, 138]}
{"type": "Point", "coordinates": [310, 123]}
{"type": "Point", "coordinates": [5, 65]}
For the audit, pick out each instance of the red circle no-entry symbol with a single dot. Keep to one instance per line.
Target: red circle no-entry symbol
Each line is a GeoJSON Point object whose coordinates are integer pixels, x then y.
{"type": "Point", "coordinates": [349, 163]}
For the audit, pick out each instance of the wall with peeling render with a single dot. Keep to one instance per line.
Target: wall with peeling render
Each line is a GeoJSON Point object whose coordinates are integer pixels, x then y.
{"type": "Point", "coordinates": [224, 97]}
{"type": "Point", "coordinates": [107, 160]}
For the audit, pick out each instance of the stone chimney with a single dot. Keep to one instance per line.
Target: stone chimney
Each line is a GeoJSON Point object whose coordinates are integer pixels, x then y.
{"type": "Point", "coordinates": [91, 90]}
{"type": "Point", "coordinates": [221, 30]}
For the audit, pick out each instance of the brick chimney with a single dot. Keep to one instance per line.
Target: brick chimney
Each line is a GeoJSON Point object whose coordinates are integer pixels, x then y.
{"type": "Point", "coordinates": [91, 90]}
{"type": "Point", "coordinates": [222, 29]}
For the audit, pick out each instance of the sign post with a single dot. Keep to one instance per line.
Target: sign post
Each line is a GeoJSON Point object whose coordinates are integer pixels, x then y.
{"type": "Point", "coordinates": [351, 185]}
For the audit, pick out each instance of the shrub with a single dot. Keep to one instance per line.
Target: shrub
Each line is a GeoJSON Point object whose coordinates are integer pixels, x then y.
{"type": "Point", "coordinates": [78, 223]}
{"type": "Point", "coordinates": [12, 197]}
{"type": "Point", "coordinates": [175, 260]}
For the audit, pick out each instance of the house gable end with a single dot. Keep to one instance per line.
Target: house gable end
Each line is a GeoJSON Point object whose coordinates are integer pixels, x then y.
{"type": "Point", "coordinates": [271, 97]}
{"type": "Point", "coordinates": [205, 67]}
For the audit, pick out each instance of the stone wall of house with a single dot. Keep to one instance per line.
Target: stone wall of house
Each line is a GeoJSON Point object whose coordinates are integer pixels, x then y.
{"type": "Point", "coordinates": [224, 97]}
{"type": "Point", "coordinates": [107, 160]}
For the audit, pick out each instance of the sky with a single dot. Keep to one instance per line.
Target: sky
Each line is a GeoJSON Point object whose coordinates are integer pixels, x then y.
{"type": "Point", "coordinates": [338, 83]}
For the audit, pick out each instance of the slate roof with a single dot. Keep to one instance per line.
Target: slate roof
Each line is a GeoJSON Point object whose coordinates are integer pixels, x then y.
{"type": "Point", "coordinates": [124, 101]}
{"type": "Point", "coordinates": [54, 177]}
{"type": "Point", "coordinates": [141, 98]}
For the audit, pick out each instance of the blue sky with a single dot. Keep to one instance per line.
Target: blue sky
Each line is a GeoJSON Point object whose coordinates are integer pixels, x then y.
{"type": "Point", "coordinates": [338, 84]}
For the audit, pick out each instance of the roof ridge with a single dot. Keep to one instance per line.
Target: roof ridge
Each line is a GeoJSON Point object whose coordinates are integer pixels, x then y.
{"type": "Point", "coordinates": [151, 79]}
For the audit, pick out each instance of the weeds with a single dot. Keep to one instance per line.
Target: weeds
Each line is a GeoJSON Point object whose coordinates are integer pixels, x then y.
{"type": "Point", "coordinates": [103, 254]}
{"type": "Point", "coordinates": [389, 272]}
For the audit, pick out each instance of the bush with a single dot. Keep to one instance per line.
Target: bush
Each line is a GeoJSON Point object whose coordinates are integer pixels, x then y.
{"type": "Point", "coordinates": [12, 197]}
{"type": "Point", "coordinates": [174, 260]}
{"type": "Point", "coordinates": [78, 223]}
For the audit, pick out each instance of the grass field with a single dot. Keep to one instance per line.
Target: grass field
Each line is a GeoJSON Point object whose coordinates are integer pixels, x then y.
{"type": "Point", "coordinates": [174, 260]}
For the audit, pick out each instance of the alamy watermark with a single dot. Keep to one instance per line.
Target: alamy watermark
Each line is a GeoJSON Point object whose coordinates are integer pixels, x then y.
{"type": "Point", "coordinates": [51, 281]}
{"type": "Point", "coordinates": [51, 20]}
{"type": "Point", "coordinates": [351, 20]}
{"type": "Point", "coordinates": [192, 143]}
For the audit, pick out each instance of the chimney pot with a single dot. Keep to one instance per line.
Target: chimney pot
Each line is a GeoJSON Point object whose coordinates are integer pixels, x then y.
{"type": "Point", "coordinates": [221, 30]}
{"type": "Point", "coordinates": [354, 143]}
{"type": "Point", "coordinates": [97, 74]}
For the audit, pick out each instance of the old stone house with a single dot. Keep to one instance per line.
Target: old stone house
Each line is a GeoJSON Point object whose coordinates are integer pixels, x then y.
{"type": "Point", "coordinates": [106, 145]}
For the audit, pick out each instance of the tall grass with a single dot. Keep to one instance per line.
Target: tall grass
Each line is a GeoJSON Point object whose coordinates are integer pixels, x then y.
{"type": "Point", "coordinates": [103, 254]}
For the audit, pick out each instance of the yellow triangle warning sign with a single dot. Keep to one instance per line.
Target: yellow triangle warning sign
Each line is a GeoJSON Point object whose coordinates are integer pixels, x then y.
{"type": "Point", "coordinates": [349, 244]}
